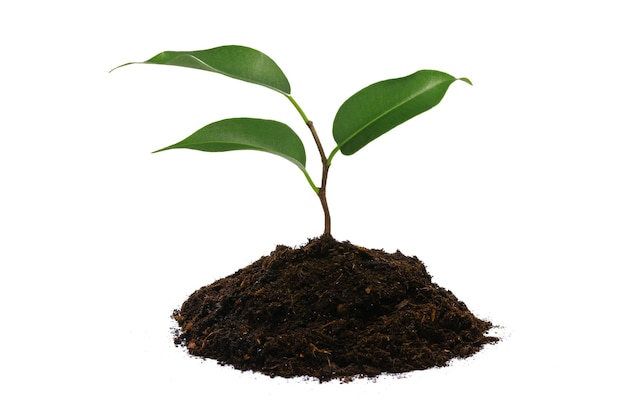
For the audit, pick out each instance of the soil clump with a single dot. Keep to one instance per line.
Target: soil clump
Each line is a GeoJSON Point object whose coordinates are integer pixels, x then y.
{"type": "Point", "coordinates": [329, 310]}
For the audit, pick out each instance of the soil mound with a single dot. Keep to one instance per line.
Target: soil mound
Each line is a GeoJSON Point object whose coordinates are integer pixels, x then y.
{"type": "Point", "coordinates": [329, 310]}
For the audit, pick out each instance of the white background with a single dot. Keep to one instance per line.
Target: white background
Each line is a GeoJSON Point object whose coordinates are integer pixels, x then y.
{"type": "Point", "coordinates": [511, 192]}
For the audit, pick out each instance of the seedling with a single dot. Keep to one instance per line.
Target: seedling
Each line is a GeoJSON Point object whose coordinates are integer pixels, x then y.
{"type": "Point", "coordinates": [363, 117]}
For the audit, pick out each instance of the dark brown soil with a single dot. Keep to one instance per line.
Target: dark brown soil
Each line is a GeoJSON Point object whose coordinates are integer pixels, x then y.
{"type": "Point", "coordinates": [329, 310]}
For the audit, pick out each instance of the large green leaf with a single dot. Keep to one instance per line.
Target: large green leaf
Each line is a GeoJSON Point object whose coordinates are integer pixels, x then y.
{"type": "Point", "coordinates": [253, 134]}
{"type": "Point", "coordinates": [380, 107]}
{"type": "Point", "coordinates": [238, 62]}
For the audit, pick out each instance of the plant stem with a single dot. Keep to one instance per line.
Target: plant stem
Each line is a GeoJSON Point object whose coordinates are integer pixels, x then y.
{"type": "Point", "coordinates": [322, 190]}
{"type": "Point", "coordinates": [332, 154]}
{"type": "Point", "coordinates": [310, 181]}
{"type": "Point", "coordinates": [297, 106]}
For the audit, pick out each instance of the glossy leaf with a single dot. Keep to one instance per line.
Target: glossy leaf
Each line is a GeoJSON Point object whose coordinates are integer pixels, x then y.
{"type": "Point", "coordinates": [251, 134]}
{"type": "Point", "coordinates": [380, 107]}
{"type": "Point", "coordinates": [234, 61]}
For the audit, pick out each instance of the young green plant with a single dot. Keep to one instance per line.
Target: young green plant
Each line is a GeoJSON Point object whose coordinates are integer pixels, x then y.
{"type": "Point", "coordinates": [363, 117]}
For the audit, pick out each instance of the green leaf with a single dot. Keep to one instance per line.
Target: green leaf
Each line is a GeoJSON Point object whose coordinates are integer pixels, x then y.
{"type": "Point", "coordinates": [380, 107]}
{"type": "Point", "coordinates": [244, 133]}
{"type": "Point", "coordinates": [234, 61]}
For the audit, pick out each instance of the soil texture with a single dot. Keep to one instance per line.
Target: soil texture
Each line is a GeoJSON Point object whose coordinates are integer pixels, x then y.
{"type": "Point", "coordinates": [329, 310]}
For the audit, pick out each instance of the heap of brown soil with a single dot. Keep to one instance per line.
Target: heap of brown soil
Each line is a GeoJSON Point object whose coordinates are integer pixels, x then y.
{"type": "Point", "coordinates": [329, 310]}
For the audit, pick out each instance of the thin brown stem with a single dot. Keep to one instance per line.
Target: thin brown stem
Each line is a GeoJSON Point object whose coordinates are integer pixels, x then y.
{"type": "Point", "coordinates": [322, 190]}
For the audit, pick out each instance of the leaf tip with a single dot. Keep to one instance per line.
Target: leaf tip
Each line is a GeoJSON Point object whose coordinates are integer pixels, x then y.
{"type": "Point", "coordinates": [162, 149]}
{"type": "Point", "coordinates": [467, 80]}
{"type": "Point", "coordinates": [120, 66]}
